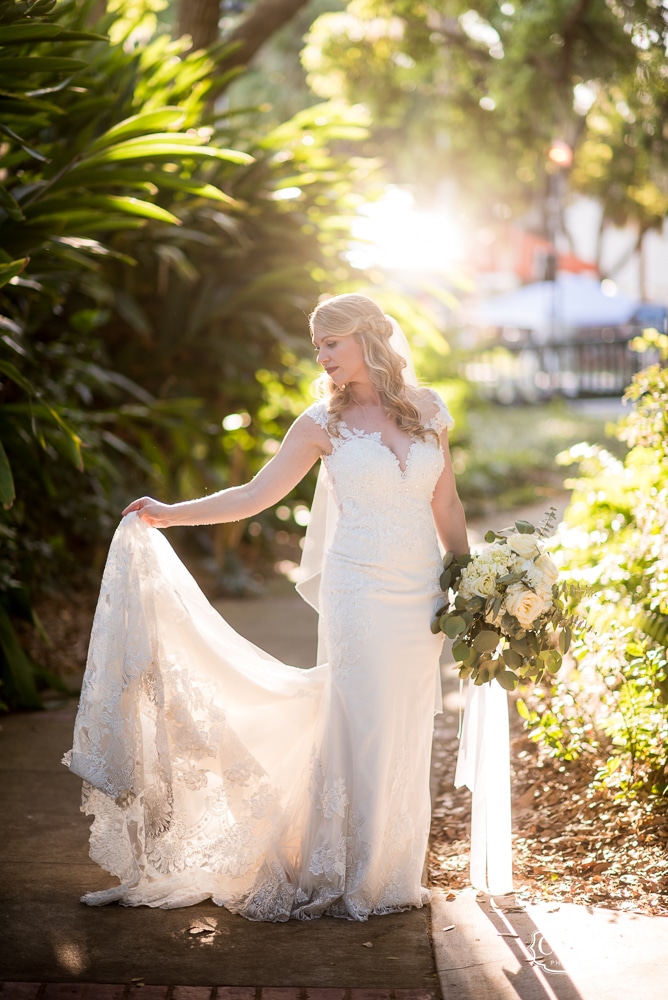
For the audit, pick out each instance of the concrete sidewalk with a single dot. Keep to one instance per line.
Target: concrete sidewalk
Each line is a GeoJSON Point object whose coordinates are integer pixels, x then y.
{"type": "Point", "coordinates": [472, 947]}
{"type": "Point", "coordinates": [49, 937]}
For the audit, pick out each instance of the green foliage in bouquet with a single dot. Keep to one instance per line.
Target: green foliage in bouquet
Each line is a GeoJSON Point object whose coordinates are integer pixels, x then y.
{"type": "Point", "coordinates": [503, 608]}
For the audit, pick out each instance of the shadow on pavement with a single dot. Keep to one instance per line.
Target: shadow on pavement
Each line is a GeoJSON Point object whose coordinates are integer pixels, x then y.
{"type": "Point", "coordinates": [490, 949]}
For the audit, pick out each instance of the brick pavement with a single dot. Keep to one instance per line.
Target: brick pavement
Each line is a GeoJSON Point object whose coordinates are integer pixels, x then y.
{"type": "Point", "coordinates": [124, 991]}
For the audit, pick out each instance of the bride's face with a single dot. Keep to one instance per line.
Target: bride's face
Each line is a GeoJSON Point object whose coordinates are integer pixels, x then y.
{"type": "Point", "coordinates": [341, 357]}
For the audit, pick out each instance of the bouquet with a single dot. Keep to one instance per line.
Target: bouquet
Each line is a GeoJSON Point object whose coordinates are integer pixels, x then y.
{"type": "Point", "coordinates": [502, 607]}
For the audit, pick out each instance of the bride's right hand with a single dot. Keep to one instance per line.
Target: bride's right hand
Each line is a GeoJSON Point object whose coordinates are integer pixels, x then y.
{"type": "Point", "coordinates": [152, 512]}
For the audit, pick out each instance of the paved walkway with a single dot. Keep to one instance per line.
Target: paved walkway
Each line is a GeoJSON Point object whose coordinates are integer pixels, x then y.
{"type": "Point", "coordinates": [469, 947]}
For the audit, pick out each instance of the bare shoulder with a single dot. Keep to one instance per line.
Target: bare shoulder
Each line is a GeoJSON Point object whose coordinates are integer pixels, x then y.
{"type": "Point", "coordinates": [311, 427]}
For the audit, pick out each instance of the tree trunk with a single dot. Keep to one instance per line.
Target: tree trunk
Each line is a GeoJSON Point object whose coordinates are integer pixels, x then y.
{"type": "Point", "coordinates": [199, 19]}
{"type": "Point", "coordinates": [262, 21]}
{"type": "Point", "coordinates": [628, 253]}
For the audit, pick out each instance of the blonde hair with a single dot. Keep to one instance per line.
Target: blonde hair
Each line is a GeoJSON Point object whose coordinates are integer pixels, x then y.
{"type": "Point", "coordinates": [357, 316]}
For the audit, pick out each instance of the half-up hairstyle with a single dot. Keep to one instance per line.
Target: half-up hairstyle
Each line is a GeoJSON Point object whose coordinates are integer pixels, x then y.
{"type": "Point", "coordinates": [358, 316]}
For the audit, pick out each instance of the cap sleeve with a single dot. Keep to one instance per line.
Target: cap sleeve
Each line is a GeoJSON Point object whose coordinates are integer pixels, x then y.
{"type": "Point", "coordinates": [442, 419]}
{"type": "Point", "coordinates": [318, 413]}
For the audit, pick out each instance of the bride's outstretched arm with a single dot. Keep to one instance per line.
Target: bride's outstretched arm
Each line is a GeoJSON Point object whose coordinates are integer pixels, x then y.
{"type": "Point", "coordinates": [447, 508]}
{"type": "Point", "coordinates": [302, 446]}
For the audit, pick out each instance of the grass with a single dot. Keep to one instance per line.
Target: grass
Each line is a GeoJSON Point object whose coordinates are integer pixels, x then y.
{"type": "Point", "coordinates": [505, 456]}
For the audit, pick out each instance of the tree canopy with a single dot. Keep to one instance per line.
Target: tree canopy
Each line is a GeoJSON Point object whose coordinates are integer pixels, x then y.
{"type": "Point", "coordinates": [476, 92]}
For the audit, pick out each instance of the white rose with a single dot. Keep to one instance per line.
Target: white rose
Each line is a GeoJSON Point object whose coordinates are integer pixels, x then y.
{"type": "Point", "coordinates": [524, 566]}
{"type": "Point", "coordinates": [485, 585]}
{"type": "Point", "coordinates": [524, 605]}
{"type": "Point", "coordinates": [548, 571]}
{"type": "Point", "coordinates": [478, 581]}
{"type": "Point", "coordinates": [524, 545]}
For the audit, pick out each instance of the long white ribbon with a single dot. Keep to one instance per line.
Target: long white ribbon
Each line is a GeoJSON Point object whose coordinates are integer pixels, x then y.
{"type": "Point", "coordinates": [483, 765]}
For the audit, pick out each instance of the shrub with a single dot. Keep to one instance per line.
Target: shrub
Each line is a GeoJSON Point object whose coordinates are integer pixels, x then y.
{"type": "Point", "coordinates": [614, 702]}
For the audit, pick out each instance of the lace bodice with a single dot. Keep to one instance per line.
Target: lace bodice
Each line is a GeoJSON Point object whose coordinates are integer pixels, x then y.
{"type": "Point", "coordinates": [380, 503]}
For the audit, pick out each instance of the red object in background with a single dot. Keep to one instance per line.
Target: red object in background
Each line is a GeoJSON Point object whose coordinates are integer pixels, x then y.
{"type": "Point", "coordinates": [524, 254]}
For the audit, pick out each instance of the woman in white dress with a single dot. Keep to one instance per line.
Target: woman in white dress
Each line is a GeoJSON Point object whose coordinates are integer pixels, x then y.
{"type": "Point", "coordinates": [214, 770]}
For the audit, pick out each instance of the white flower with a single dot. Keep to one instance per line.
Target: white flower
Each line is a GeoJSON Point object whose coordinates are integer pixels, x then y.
{"type": "Point", "coordinates": [477, 580]}
{"type": "Point", "coordinates": [525, 605]}
{"type": "Point", "coordinates": [523, 567]}
{"type": "Point", "coordinates": [548, 571]}
{"type": "Point", "coordinates": [525, 546]}
{"type": "Point", "coordinates": [499, 554]}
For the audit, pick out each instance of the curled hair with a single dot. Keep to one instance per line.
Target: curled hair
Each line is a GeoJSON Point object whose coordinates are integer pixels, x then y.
{"type": "Point", "coordinates": [358, 316]}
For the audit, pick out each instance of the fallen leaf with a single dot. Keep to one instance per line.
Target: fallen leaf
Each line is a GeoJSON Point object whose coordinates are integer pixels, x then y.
{"type": "Point", "coordinates": [367, 944]}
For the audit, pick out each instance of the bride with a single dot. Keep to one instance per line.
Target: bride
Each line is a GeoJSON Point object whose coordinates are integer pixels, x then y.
{"type": "Point", "coordinates": [213, 769]}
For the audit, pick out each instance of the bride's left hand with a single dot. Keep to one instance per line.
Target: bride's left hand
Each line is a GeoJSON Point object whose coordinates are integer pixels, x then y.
{"type": "Point", "coordinates": [152, 512]}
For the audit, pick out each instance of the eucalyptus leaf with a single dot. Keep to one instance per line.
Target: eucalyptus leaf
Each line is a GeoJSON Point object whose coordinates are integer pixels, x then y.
{"type": "Point", "coordinates": [461, 650]}
{"type": "Point", "coordinates": [565, 637]}
{"type": "Point", "coordinates": [525, 528]}
{"type": "Point", "coordinates": [554, 661]}
{"type": "Point", "coordinates": [452, 625]}
{"type": "Point", "coordinates": [486, 641]}
{"type": "Point", "coordinates": [507, 679]}
{"type": "Point", "coordinates": [512, 659]}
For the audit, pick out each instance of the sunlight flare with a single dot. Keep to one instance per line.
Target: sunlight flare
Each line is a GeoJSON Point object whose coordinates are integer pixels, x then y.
{"type": "Point", "coordinates": [394, 234]}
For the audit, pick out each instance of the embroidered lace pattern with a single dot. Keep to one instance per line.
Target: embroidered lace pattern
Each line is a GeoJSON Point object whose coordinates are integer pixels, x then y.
{"type": "Point", "coordinates": [214, 770]}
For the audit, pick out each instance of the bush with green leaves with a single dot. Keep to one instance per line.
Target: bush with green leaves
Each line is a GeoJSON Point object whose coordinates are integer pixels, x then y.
{"type": "Point", "coordinates": [155, 254]}
{"type": "Point", "coordinates": [614, 701]}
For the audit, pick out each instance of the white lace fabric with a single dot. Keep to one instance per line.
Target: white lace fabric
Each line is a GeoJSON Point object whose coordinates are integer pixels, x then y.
{"type": "Point", "coordinates": [214, 770]}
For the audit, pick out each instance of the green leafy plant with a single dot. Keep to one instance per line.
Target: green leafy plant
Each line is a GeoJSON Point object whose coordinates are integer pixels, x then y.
{"type": "Point", "coordinates": [614, 701]}
{"type": "Point", "coordinates": [151, 264]}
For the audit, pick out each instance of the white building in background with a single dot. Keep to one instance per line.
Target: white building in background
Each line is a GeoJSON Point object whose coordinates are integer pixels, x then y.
{"type": "Point", "coordinates": [644, 275]}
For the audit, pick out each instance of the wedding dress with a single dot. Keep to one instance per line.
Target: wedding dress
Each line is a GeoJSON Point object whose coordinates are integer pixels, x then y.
{"type": "Point", "coordinates": [214, 770]}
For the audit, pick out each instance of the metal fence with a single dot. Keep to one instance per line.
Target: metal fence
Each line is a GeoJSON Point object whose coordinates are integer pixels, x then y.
{"type": "Point", "coordinates": [583, 368]}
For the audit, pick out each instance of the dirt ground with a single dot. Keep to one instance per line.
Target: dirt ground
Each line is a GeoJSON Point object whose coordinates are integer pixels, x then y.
{"type": "Point", "coordinates": [569, 845]}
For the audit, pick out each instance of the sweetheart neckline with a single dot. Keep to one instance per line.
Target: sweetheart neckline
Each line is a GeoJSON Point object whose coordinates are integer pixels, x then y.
{"type": "Point", "coordinates": [377, 436]}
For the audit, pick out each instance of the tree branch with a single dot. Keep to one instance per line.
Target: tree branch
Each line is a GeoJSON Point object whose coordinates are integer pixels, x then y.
{"type": "Point", "coordinates": [263, 20]}
{"type": "Point", "coordinates": [199, 19]}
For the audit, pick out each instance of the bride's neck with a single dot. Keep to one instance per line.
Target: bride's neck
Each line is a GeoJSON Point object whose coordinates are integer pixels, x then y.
{"type": "Point", "coordinates": [364, 394]}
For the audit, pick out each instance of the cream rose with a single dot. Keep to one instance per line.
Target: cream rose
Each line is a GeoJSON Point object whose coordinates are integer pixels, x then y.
{"type": "Point", "coordinates": [481, 583]}
{"type": "Point", "coordinates": [548, 571]}
{"type": "Point", "coordinates": [524, 605]}
{"type": "Point", "coordinates": [524, 545]}
{"type": "Point", "coordinates": [484, 585]}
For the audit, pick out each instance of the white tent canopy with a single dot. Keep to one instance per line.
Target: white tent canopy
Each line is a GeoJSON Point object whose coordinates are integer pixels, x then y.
{"type": "Point", "coordinates": [552, 308]}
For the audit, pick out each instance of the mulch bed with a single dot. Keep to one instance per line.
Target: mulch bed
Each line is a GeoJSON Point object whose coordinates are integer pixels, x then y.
{"type": "Point", "coordinates": [570, 844]}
